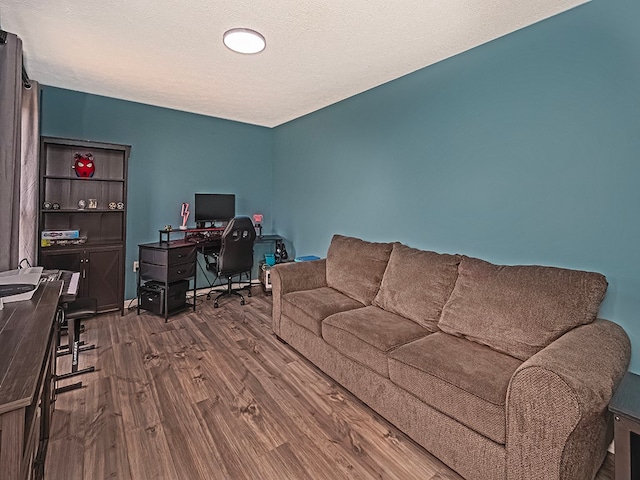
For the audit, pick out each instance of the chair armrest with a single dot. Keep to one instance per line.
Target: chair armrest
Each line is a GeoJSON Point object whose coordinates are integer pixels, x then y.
{"type": "Point", "coordinates": [558, 425]}
{"type": "Point", "coordinates": [292, 277]}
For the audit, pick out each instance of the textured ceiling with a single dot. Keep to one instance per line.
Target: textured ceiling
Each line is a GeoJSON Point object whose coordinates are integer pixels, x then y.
{"type": "Point", "coordinates": [170, 53]}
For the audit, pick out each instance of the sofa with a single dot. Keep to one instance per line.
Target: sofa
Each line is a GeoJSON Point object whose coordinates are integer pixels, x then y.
{"type": "Point", "coordinates": [502, 372]}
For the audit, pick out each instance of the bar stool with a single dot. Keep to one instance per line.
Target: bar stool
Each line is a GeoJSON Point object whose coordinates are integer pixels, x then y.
{"type": "Point", "coordinates": [74, 312]}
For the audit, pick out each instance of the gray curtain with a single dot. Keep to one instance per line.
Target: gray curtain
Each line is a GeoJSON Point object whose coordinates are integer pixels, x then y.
{"type": "Point", "coordinates": [29, 174]}
{"type": "Point", "coordinates": [19, 140]}
{"type": "Point", "coordinates": [10, 131]}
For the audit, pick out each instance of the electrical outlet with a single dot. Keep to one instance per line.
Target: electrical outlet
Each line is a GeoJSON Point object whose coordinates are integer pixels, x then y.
{"type": "Point", "coordinates": [136, 266]}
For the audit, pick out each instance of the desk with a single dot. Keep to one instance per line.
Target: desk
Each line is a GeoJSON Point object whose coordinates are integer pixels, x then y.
{"type": "Point", "coordinates": [275, 239]}
{"type": "Point", "coordinates": [27, 372]}
{"type": "Point", "coordinates": [212, 245]}
{"type": "Point", "coordinates": [167, 262]}
{"type": "Point", "coordinates": [625, 406]}
{"type": "Point", "coordinates": [190, 233]}
{"type": "Point", "coordinates": [210, 239]}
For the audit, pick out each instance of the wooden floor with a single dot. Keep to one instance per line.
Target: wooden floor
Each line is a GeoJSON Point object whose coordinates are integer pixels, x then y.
{"type": "Point", "coordinates": [213, 395]}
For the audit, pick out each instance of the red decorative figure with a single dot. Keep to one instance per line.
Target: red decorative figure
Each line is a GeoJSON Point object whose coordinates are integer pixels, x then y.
{"type": "Point", "coordinates": [84, 165]}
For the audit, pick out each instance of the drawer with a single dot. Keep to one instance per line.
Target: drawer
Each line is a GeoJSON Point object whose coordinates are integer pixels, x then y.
{"type": "Point", "coordinates": [170, 273]}
{"type": "Point", "coordinates": [169, 256]}
{"type": "Point", "coordinates": [180, 272]}
{"type": "Point", "coordinates": [182, 255]}
{"type": "Point", "coordinates": [152, 255]}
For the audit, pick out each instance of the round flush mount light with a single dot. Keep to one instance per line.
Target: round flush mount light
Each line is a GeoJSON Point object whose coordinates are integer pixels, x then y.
{"type": "Point", "coordinates": [244, 40]}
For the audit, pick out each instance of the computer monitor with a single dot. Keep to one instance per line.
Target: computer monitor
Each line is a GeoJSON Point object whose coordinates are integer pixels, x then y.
{"type": "Point", "coordinates": [214, 207]}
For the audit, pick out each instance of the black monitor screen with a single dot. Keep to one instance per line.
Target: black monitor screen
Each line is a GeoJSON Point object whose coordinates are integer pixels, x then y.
{"type": "Point", "coordinates": [215, 207]}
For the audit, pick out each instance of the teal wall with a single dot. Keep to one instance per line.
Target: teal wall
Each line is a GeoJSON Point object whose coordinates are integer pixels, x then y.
{"type": "Point", "coordinates": [523, 150]}
{"type": "Point", "coordinates": [173, 155]}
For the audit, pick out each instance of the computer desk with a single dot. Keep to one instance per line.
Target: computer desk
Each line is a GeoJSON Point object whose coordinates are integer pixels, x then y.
{"type": "Point", "coordinates": [208, 241]}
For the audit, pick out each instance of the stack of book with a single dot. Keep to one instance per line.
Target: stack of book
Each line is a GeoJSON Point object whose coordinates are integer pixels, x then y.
{"type": "Point", "coordinates": [50, 238]}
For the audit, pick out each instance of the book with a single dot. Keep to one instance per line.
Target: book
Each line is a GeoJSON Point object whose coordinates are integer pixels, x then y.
{"type": "Point", "coordinates": [51, 242]}
{"type": "Point", "coordinates": [60, 234]}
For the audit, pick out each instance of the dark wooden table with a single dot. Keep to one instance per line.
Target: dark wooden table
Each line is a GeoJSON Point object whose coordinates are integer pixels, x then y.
{"type": "Point", "coordinates": [27, 373]}
{"type": "Point", "coordinates": [625, 406]}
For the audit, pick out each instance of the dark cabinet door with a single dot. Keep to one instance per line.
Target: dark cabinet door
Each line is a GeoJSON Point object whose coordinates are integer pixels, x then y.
{"type": "Point", "coordinates": [100, 268]}
{"type": "Point", "coordinates": [104, 277]}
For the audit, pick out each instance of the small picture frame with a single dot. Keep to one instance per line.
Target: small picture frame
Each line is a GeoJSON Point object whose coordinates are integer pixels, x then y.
{"type": "Point", "coordinates": [93, 203]}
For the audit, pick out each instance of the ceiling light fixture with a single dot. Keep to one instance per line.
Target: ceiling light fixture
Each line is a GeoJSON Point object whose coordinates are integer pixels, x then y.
{"type": "Point", "coordinates": [244, 40]}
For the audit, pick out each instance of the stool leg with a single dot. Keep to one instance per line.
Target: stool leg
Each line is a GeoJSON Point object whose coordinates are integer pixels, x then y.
{"type": "Point", "coordinates": [75, 349]}
{"type": "Point", "coordinates": [74, 340]}
{"type": "Point", "coordinates": [64, 350]}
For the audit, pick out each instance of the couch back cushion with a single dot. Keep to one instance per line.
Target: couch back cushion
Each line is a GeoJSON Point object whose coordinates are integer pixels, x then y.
{"type": "Point", "coordinates": [355, 267]}
{"type": "Point", "coordinates": [417, 284]}
{"type": "Point", "coordinates": [519, 310]}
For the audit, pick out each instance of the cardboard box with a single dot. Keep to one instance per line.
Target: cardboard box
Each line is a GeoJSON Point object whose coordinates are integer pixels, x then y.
{"type": "Point", "coordinates": [60, 234]}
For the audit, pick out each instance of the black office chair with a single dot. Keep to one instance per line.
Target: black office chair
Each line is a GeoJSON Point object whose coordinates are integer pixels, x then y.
{"type": "Point", "coordinates": [235, 257]}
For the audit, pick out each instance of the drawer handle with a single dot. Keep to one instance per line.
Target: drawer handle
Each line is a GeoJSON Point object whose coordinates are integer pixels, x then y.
{"type": "Point", "coordinates": [180, 271]}
{"type": "Point", "coordinates": [180, 255]}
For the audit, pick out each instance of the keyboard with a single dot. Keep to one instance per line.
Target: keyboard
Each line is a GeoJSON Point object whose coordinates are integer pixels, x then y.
{"type": "Point", "coordinates": [71, 280]}
{"type": "Point", "coordinates": [196, 239]}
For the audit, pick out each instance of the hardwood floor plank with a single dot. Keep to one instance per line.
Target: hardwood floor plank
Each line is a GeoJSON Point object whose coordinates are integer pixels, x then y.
{"type": "Point", "coordinates": [137, 398]}
{"type": "Point", "coordinates": [237, 452]}
{"type": "Point", "coordinates": [105, 446]}
{"type": "Point", "coordinates": [240, 397]}
{"type": "Point", "coordinates": [307, 426]}
{"type": "Point", "coordinates": [225, 366]}
{"type": "Point", "coordinates": [149, 454]}
{"type": "Point", "coordinates": [188, 447]}
{"type": "Point", "coordinates": [213, 395]}
{"type": "Point", "coordinates": [67, 438]}
{"type": "Point", "coordinates": [371, 439]}
{"type": "Point", "coordinates": [282, 462]}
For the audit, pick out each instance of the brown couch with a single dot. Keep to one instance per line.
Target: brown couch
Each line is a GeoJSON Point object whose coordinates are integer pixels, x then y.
{"type": "Point", "coordinates": [502, 372]}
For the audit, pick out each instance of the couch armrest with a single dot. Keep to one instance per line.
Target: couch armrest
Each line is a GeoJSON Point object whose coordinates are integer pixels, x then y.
{"type": "Point", "coordinates": [292, 277]}
{"type": "Point", "coordinates": [558, 425]}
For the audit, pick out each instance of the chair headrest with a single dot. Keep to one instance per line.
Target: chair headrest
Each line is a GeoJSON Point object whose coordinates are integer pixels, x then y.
{"type": "Point", "coordinates": [240, 227]}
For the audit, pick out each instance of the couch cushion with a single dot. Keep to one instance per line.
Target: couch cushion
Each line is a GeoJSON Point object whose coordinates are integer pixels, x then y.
{"type": "Point", "coordinates": [519, 310]}
{"type": "Point", "coordinates": [309, 307]}
{"type": "Point", "coordinates": [464, 380]}
{"type": "Point", "coordinates": [417, 284]}
{"type": "Point", "coordinates": [367, 334]}
{"type": "Point", "coordinates": [355, 267]}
